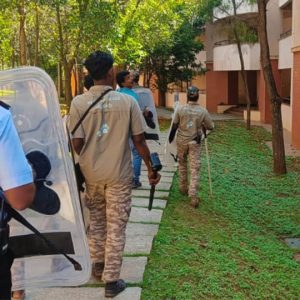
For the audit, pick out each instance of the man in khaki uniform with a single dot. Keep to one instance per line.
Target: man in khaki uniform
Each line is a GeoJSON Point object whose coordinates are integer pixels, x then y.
{"type": "Point", "coordinates": [105, 160]}
{"type": "Point", "coordinates": [190, 120]}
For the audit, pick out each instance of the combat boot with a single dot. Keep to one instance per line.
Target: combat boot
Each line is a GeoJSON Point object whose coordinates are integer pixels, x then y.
{"type": "Point", "coordinates": [195, 202]}
{"type": "Point", "coordinates": [112, 289]}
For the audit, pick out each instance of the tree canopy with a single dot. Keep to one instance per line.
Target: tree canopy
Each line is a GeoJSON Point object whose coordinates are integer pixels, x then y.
{"type": "Point", "coordinates": [138, 33]}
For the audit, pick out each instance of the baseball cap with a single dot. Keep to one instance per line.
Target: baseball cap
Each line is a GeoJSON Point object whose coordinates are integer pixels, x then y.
{"type": "Point", "coordinates": [192, 91]}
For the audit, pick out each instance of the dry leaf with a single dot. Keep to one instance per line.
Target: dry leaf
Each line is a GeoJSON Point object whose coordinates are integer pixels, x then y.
{"type": "Point", "coordinates": [297, 257]}
{"type": "Point", "coordinates": [203, 244]}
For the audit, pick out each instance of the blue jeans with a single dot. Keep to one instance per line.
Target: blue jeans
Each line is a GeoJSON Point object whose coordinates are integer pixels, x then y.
{"type": "Point", "coordinates": [136, 164]}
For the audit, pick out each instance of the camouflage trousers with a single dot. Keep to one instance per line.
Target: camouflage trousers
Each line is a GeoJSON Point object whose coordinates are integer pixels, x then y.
{"type": "Point", "coordinates": [109, 208]}
{"type": "Point", "coordinates": [191, 151]}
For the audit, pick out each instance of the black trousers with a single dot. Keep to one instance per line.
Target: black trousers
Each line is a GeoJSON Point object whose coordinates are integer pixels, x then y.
{"type": "Point", "coordinates": [6, 261]}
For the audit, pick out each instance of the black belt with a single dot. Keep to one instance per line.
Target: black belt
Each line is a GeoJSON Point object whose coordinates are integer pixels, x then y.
{"type": "Point", "coordinates": [4, 235]}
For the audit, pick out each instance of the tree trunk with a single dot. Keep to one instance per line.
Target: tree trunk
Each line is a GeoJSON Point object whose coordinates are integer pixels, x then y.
{"type": "Point", "coordinates": [243, 72]}
{"type": "Point", "coordinates": [245, 84]}
{"type": "Point", "coordinates": [59, 81]}
{"type": "Point", "coordinates": [22, 33]}
{"type": "Point", "coordinates": [68, 89]}
{"type": "Point", "coordinates": [63, 58]}
{"type": "Point", "coordinates": [37, 36]}
{"type": "Point", "coordinates": [161, 98]}
{"type": "Point", "coordinates": [279, 165]}
{"type": "Point", "coordinates": [13, 55]}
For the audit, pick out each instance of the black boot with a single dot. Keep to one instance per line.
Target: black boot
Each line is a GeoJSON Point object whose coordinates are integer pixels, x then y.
{"type": "Point", "coordinates": [112, 289]}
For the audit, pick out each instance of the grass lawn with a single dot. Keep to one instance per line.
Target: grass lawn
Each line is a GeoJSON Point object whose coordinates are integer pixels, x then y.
{"type": "Point", "coordinates": [164, 124]}
{"type": "Point", "coordinates": [230, 247]}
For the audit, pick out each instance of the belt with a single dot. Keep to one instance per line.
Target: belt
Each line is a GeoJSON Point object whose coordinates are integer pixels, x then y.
{"type": "Point", "coordinates": [4, 235]}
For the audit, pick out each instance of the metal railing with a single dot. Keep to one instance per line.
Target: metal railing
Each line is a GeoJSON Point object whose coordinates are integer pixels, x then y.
{"type": "Point", "coordinates": [224, 42]}
{"type": "Point", "coordinates": [286, 34]}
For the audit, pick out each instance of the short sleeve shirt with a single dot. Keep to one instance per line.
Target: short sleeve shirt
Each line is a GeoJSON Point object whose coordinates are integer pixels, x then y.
{"type": "Point", "coordinates": [129, 92]}
{"type": "Point", "coordinates": [190, 118]}
{"type": "Point", "coordinates": [14, 168]}
{"type": "Point", "coordinates": [106, 157]}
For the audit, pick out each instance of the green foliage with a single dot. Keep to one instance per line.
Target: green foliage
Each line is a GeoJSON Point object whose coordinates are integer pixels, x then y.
{"type": "Point", "coordinates": [156, 36]}
{"type": "Point", "coordinates": [231, 247]}
{"type": "Point", "coordinates": [164, 124]}
{"type": "Point", "coordinates": [6, 36]}
{"type": "Point", "coordinates": [247, 33]}
{"type": "Point", "coordinates": [174, 60]}
{"type": "Point", "coordinates": [246, 30]}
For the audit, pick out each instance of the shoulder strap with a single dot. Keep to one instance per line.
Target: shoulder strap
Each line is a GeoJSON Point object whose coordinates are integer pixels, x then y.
{"type": "Point", "coordinates": [17, 216]}
{"type": "Point", "coordinates": [4, 105]}
{"type": "Point", "coordinates": [89, 108]}
{"type": "Point", "coordinates": [1, 210]}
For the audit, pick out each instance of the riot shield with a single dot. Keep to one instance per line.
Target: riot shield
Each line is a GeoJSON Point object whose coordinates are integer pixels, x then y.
{"type": "Point", "coordinates": [170, 149]}
{"type": "Point", "coordinates": [146, 101]}
{"type": "Point", "coordinates": [57, 214]}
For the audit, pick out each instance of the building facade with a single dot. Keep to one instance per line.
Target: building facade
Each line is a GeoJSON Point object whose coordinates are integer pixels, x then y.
{"type": "Point", "coordinates": [223, 79]}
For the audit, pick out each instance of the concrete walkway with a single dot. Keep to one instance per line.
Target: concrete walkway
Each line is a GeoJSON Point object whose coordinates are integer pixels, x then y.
{"type": "Point", "coordinates": [141, 230]}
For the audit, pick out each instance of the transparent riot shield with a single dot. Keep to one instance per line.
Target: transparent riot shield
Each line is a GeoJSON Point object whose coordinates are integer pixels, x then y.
{"type": "Point", "coordinates": [170, 149]}
{"type": "Point", "coordinates": [146, 102]}
{"type": "Point", "coordinates": [35, 108]}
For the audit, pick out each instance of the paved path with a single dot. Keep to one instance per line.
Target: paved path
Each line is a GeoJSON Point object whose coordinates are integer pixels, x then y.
{"type": "Point", "coordinates": [141, 230]}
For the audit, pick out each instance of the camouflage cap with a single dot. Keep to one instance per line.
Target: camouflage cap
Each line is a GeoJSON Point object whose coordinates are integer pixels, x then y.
{"type": "Point", "coordinates": [192, 91]}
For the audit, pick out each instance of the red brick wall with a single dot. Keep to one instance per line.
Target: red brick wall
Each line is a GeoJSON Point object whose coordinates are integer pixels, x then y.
{"type": "Point", "coordinates": [264, 100]}
{"type": "Point", "coordinates": [296, 101]}
{"type": "Point", "coordinates": [216, 88]}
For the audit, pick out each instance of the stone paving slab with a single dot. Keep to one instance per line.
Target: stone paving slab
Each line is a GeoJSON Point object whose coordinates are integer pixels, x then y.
{"type": "Point", "coordinates": [140, 214]}
{"type": "Point", "coordinates": [134, 229]}
{"type": "Point", "coordinates": [83, 293]}
{"type": "Point", "coordinates": [140, 244]}
{"type": "Point", "coordinates": [161, 186]}
{"type": "Point", "coordinates": [163, 174]}
{"type": "Point", "coordinates": [132, 270]}
{"type": "Point", "coordinates": [146, 193]}
{"type": "Point", "coordinates": [167, 179]}
{"type": "Point", "coordinates": [144, 202]}
{"type": "Point", "coordinates": [139, 238]}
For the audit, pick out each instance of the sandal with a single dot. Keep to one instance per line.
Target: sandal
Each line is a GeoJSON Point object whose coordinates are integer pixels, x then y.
{"type": "Point", "coordinates": [18, 295]}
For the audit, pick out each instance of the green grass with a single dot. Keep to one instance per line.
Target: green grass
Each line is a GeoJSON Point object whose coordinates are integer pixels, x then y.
{"type": "Point", "coordinates": [231, 247]}
{"type": "Point", "coordinates": [164, 124]}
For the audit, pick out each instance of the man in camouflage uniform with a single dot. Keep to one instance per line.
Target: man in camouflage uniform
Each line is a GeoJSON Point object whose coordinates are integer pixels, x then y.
{"type": "Point", "coordinates": [102, 144]}
{"type": "Point", "coordinates": [190, 120]}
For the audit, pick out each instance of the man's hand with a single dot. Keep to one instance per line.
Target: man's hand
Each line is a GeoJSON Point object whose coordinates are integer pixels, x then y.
{"type": "Point", "coordinates": [77, 144]}
{"type": "Point", "coordinates": [154, 177]}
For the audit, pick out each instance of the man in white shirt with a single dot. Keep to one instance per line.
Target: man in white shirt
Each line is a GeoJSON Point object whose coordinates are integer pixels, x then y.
{"type": "Point", "coordinates": [16, 186]}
